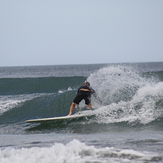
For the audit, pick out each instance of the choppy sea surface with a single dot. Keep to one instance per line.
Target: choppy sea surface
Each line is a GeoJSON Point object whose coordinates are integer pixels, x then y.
{"type": "Point", "coordinates": [126, 127]}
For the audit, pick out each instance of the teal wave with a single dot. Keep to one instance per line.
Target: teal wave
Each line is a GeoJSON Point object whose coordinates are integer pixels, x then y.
{"type": "Point", "coordinates": [13, 86]}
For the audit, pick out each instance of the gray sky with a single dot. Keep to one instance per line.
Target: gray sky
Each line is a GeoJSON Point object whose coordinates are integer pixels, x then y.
{"type": "Point", "coordinates": [52, 32]}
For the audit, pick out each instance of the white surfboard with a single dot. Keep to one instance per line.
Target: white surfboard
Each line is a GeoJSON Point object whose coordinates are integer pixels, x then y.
{"type": "Point", "coordinates": [57, 118]}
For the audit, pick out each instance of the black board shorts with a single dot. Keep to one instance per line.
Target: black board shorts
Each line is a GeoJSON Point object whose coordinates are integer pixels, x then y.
{"type": "Point", "coordinates": [83, 95]}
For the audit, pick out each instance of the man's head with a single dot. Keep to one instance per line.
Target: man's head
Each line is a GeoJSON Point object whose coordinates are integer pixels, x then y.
{"type": "Point", "coordinates": [86, 83]}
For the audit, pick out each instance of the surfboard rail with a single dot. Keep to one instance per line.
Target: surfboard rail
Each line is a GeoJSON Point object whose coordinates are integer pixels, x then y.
{"type": "Point", "coordinates": [41, 120]}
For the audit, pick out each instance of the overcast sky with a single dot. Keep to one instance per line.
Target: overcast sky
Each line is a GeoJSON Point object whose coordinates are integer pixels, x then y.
{"type": "Point", "coordinates": [56, 32]}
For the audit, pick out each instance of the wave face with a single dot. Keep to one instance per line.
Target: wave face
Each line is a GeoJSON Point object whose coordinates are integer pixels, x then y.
{"type": "Point", "coordinates": [24, 98]}
{"type": "Point", "coordinates": [129, 98]}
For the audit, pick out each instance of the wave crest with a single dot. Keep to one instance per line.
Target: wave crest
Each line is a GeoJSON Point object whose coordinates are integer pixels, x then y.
{"type": "Point", "coordinates": [126, 95]}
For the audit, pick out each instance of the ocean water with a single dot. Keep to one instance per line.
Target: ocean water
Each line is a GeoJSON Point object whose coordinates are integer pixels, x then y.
{"type": "Point", "coordinates": [126, 128]}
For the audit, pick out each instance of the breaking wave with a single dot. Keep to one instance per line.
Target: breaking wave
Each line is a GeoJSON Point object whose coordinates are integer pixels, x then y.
{"type": "Point", "coordinates": [127, 96]}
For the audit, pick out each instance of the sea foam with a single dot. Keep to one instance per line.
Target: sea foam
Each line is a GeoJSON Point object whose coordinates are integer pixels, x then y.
{"type": "Point", "coordinates": [72, 152]}
{"type": "Point", "coordinates": [126, 96]}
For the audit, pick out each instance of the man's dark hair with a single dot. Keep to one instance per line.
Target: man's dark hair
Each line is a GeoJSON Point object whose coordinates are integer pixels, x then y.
{"type": "Point", "coordinates": [87, 83]}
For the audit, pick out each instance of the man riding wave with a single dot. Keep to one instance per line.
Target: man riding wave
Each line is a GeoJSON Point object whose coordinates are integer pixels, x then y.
{"type": "Point", "coordinates": [83, 93]}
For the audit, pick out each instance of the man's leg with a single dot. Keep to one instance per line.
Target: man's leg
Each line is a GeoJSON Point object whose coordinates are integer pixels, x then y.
{"type": "Point", "coordinates": [72, 108]}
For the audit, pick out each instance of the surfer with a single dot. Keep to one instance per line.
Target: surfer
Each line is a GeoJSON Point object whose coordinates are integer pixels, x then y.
{"type": "Point", "coordinates": [84, 92]}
